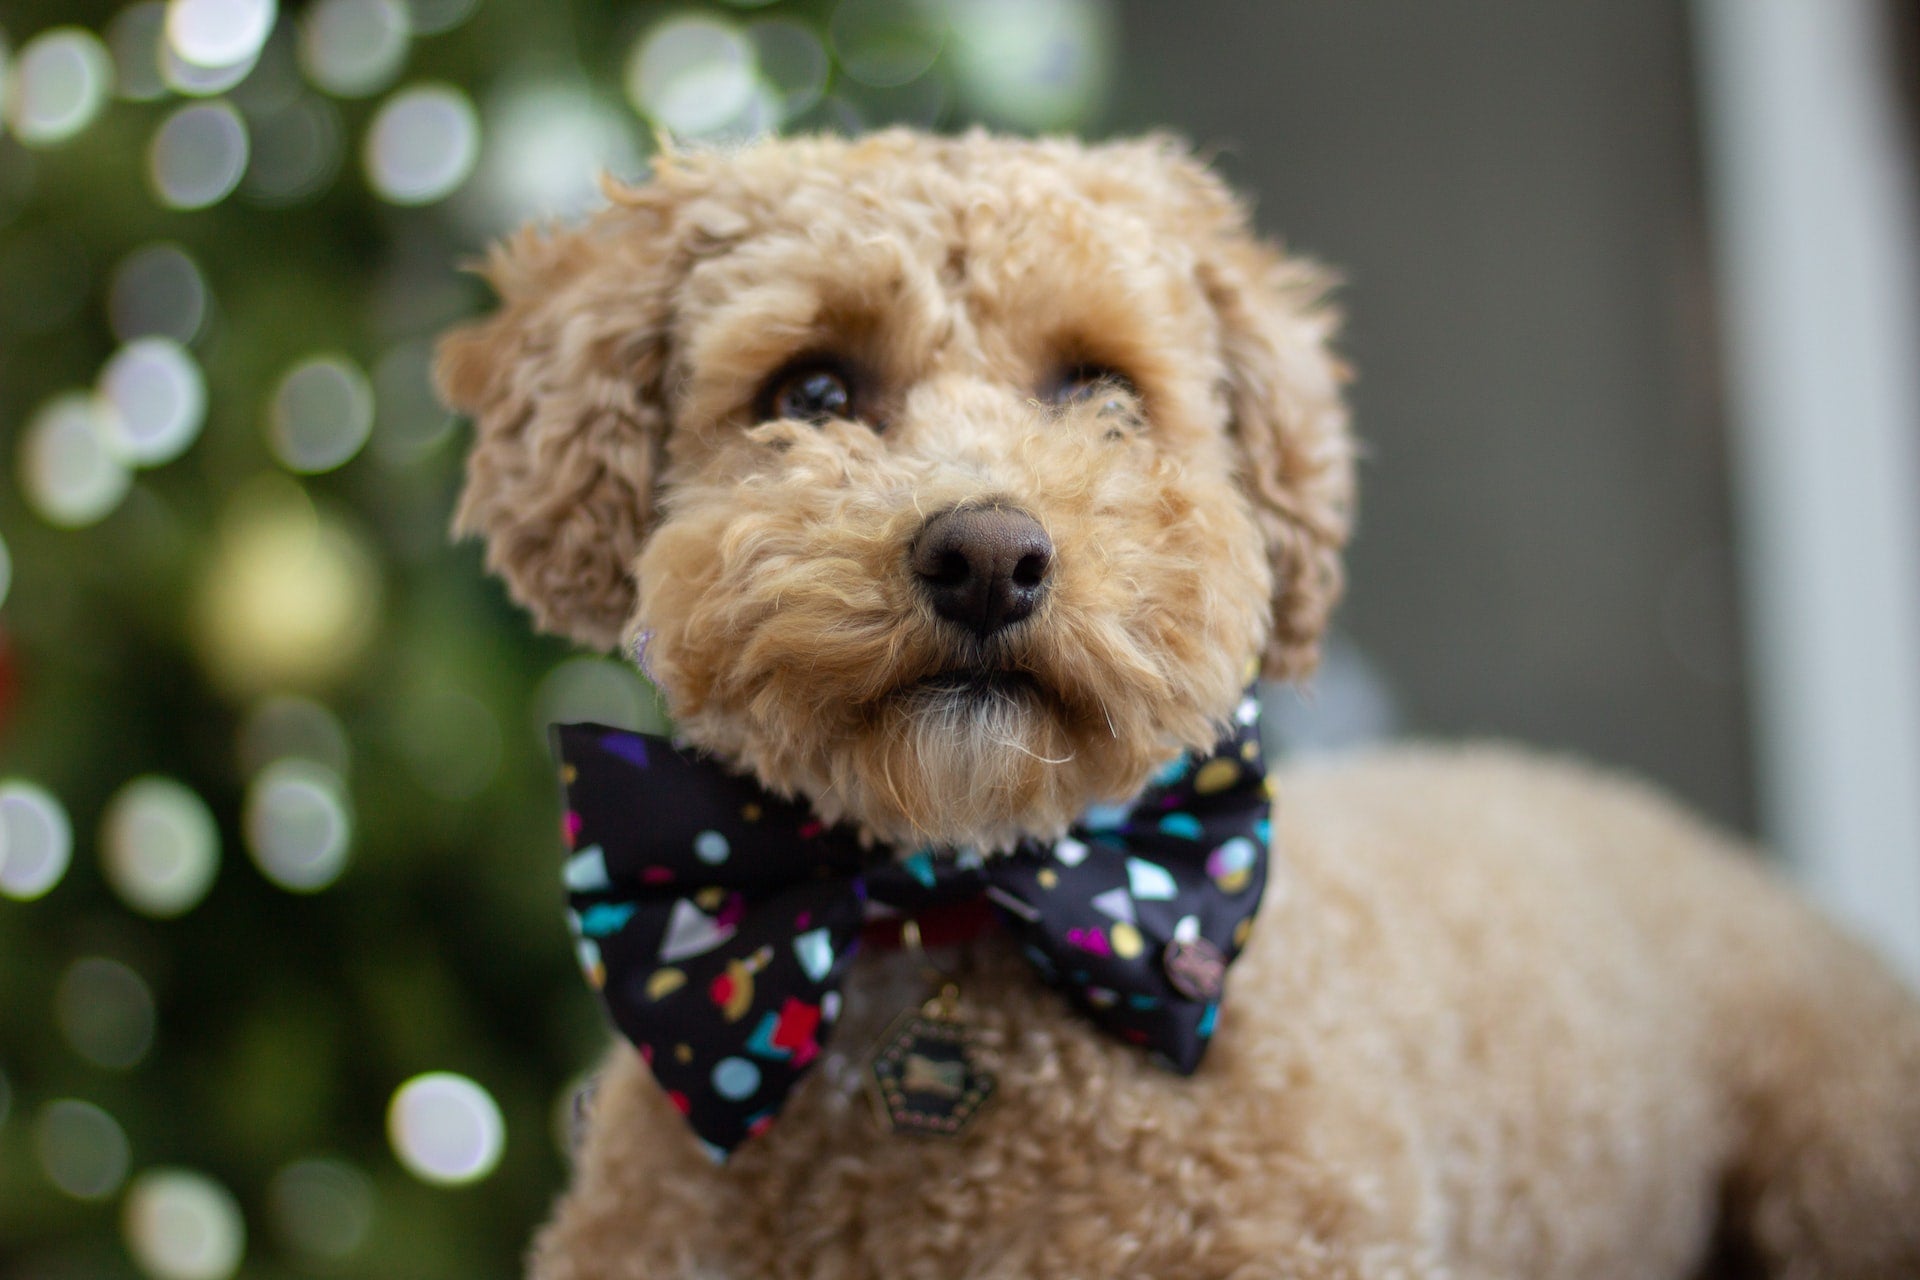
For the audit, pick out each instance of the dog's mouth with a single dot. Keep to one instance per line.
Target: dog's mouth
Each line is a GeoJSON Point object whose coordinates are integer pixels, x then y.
{"type": "Point", "coordinates": [972, 685]}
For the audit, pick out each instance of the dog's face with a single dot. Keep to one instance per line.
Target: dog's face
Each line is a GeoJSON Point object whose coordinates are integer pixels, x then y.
{"type": "Point", "coordinates": [953, 484]}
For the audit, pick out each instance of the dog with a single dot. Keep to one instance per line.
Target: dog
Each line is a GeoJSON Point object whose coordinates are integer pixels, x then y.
{"type": "Point", "coordinates": [949, 487]}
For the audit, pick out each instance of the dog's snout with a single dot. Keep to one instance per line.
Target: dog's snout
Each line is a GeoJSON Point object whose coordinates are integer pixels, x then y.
{"type": "Point", "coordinates": [984, 568]}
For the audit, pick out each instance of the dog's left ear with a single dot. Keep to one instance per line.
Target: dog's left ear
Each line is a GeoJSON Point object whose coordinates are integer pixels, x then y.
{"type": "Point", "coordinates": [564, 383]}
{"type": "Point", "coordinates": [1289, 422]}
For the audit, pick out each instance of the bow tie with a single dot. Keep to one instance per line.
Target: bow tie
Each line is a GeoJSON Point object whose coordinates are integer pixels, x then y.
{"type": "Point", "coordinates": [717, 920]}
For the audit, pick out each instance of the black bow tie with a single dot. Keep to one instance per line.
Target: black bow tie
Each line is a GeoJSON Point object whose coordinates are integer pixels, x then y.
{"type": "Point", "coordinates": [717, 921]}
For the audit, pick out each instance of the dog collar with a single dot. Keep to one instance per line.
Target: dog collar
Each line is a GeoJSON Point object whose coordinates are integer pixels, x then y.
{"type": "Point", "coordinates": [717, 921]}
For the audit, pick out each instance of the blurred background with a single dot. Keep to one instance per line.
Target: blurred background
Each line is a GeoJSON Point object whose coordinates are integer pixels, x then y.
{"type": "Point", "coordinates": [284, 985]}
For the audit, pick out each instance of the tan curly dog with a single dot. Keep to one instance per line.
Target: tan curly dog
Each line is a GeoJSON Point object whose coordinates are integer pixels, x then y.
{"type": "Point", "coordinates": [1500, 1018]}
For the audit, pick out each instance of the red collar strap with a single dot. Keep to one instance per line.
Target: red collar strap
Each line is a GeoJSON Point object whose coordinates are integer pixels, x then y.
{"type": "Point", "coordinates": [943, 926]}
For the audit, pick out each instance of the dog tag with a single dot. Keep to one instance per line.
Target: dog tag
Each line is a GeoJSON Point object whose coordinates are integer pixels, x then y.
{"type": "Point", "coordinates": [926, 1073]}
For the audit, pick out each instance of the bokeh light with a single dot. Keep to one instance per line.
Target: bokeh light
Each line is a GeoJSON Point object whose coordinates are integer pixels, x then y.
{"type": "Point", "coordinates": [445, 1128]}
{"type": "Point", "coordinates": [321, 415]}
{"type": "Point", "coordinates": [82, 1150]}
{"type": "Point", "coordinates": [290, 598]}
{"type": "Point", "coordinates": [885, 43]}
{"type": "Point", "coordinates": [1033, 64]}
{"type": "Point", "coordinates": [136, 36]}
{"type": "Point", "coordinates": [430, 17]}
{"type": "Point", "coordinates": [159, 846]}
{"type": "Point", "coordinates": [198, 155]}
{"type": "Point", "coordinates": [547, 146]}
{"type": "Point", "coordinates": [157, 291]}
{"type": "Point", "coordinates": [159, 400]}
{"type": "Point", "coordinates": [105, 1011]}
{"type": "Point", "coordinates": [321, 1207]}
{"type": "Point", "coordinates": [692, 75]}
{"type": "Point", "coordinates": [297, 151]}
{"type": "Point", "coordinates": [198, 81]}
{"type": "Point", "coordinates": [600, 690]}
{"type": "Point", "coordinates": [298, 826]}
{"type": "Point", "coordinates": [182, 1225]}
{"type": "Point", "coordinates": [36, 840]}
{"type": "Point", "coordinates": [219, 33]}
{"type": "Point", "coordinates": [352, 48]}
{"type": "Point", "coordinates": [70, 467]}
{"type": "Point", "coordinates": [793, 63]}
{"type": "Point", "coordinates": [285, 727]}
{"type": "Point", "coordinates": [409, 422]}
{"type": "Point", "coordinates": [424, 142]}
{"type": "Point", "coordinates": [60, 80]}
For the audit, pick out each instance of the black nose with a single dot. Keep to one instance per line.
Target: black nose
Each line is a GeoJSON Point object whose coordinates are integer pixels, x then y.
{"type": "Point", "coordinates": [984, 568]}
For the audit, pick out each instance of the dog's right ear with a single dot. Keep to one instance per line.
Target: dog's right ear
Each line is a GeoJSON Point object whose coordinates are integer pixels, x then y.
{"type": "Point", "coordinates": [564, 386]}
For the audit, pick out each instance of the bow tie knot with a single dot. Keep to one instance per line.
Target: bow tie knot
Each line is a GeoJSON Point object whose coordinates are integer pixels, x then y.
{"type": "Point", "coordinates": [717, 921]}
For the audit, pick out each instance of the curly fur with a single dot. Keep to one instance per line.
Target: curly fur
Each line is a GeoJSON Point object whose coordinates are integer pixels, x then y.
{"type": "Point", "coordinates": [1502, 1018]}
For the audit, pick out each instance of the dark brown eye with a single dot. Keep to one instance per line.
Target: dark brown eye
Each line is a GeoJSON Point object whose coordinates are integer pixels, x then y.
{"type": "Point", "coordinates": [810, 392]}
{"type": "Point", "coordinates": [1086, 381]}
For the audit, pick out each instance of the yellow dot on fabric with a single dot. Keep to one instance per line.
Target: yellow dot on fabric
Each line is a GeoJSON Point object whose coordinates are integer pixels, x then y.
{"type": "Point", "coordinates": [1126, 940]}
{"type": "Point", "coordinates": [1248, 672]}
{"type": "Point", "coordinates": [665, 982]}
{"type": "Point", "coordinates": [1266, 788]}
{"type": "Point", "coordinates": [750, 812]}
{"type": "Point", "coordinates": [683, 1053]}
{"type": "Point", "coordinates": [1234, 881]}
{"type": "Point", "coordinates": [568, 774]}
{"type": "Point", "coordinates": [1048, 878]}
{"type": "Point", "coordinates": [1249, 750]}
{"type": "Point", "coordinates": [1215, 775]}
{"type": "Point", "coordinates": [710, 898]}
{"type": "Point", "coordinates": [597, 976]}
{"type": "Point", "coordinates": [1241, 930]}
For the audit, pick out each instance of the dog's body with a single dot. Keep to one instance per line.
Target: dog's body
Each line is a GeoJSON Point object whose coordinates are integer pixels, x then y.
{"type": "Point", "coordinates": [951, 485]}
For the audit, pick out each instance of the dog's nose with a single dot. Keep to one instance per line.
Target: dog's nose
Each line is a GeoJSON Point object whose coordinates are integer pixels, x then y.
{"type": "Point", "coordinates": [984, 568]}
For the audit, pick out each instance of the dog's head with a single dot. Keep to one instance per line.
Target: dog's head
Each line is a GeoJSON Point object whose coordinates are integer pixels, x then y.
{"type": "Point", "coordinates": [953, 484]}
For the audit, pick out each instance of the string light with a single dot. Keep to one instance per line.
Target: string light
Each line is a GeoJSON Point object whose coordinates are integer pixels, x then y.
{"type": "Point", "coordinates": [182, 1225]}
{"type": "Point", "coordinates": [692, 75]}
{"type": "Point", "coordinates": [70, 469]}
{"type": "Point", "coordinates": [82, 1150]}
{"type": "Point", "coordinates": [105, 1011]}
{"type": "Point", "coordinates": [60, 81]}
{"type": "Point", "coordinates": [445, 1128]}
{"type": "Point", "coordinates": [321, 415]}
{"type": "Point", "coordinates": [198, 155]}
{"type": "Point", "coordinates": [352, 48]}
{"type": "Point", "coordinates": [159, 846]}
{"type": "Point", "coordinates": [297, 824]}
{"type": "Point", "coordinates": [424, 142]}
{"type": "Point", "coordinates": [157, 291]}
{"type": "Point", "coordinates": [219, 33]}
{"type": "Point", "coordinates": [159, 401]}
{"type": "Point", "coordinates": [136, 36]}
{"type": "Point", "coordinates": [321, 1207]}
{"type": "Point", "coordinates": [290, 598]}
{"type": "Point", "coordinates": [36, 840]}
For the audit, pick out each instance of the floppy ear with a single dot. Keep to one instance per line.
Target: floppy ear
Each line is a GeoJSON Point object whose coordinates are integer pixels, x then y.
{"type": "Point", "coordinates": [564, 385]}
{"type": "Point", "coordinates": [1289, 422]}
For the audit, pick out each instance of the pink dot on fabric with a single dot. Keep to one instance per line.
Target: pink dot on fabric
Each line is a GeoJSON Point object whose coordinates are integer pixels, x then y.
{"type": "Point", "coordinates": [656, 875]}
{"type": "Point", "coordinates": [803, 921]}
{"type": "Point", "coordinates": [811, 828]}
{"type": "Point", "coordinates": [573, 829]}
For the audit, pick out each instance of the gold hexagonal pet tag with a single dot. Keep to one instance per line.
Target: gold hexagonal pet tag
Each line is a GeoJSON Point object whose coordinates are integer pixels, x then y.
{"type": "Point", "coordinates": [926, 1074]}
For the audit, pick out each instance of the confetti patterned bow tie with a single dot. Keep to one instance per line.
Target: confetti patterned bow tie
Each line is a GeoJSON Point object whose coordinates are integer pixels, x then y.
{"type": "Point", "coordinates": [717, 921]}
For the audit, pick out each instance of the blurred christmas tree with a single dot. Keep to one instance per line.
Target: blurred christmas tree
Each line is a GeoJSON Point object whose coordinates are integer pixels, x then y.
{"type": "Point", "coordinates": [284, 987]}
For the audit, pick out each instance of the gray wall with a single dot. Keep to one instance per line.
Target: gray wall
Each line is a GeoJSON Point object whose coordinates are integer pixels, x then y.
{"type": "Point", "coordinates": [1512, 192]}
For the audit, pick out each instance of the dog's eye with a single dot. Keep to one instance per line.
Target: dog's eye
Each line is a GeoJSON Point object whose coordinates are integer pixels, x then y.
{"type": "Point", "coordinates": [811, 392]}
{"type": "Point", "coordinates": [1085, 381]}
